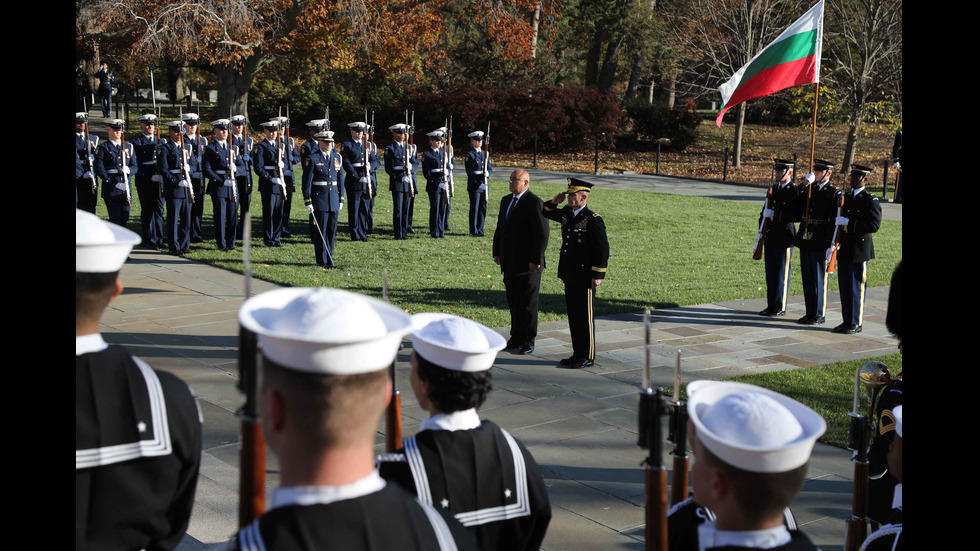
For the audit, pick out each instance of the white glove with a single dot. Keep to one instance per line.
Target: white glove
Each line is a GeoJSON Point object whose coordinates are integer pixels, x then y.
{"type": "Point", "coordinates": [88, 174]}
{"type": "Point", "coordinates": [810, 177]}
{"type": "Point", "coordinates": [897, 165]}
{"type": "Point", "coordinates": [363, 180]}
{"type": "Point", "coordinates": [121, 185]}
{"type": "Point", "coordinates": [184, 183]}
{"type": "Point", "coordinates": [277, 181]}
{"type": "Point", "coordinates": [481, 188]}
{"type": "Point", "coordinates": [280, 164]}
{"type": "Point", "coordinates": [125, 170]}
{"type": "Point", "coordinates": [341, 206]}
{"type": "Point", "coordinates": [768, 213]}
{"type": "Point", "coordinates": [229, 182]}
{"type": "Point", "coordinates": [407, 180]}
{"type": "Point", "coordinates": [842, 220]}
{"type": "Point", "coordinates": [309, 208]}
{"type": "Point", "coordinates": [442, 185]}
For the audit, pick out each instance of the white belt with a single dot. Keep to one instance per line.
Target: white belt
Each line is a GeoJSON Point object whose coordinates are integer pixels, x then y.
{"type": "Point", "coordinates": [112, 171]}
{"type": "Point", "coordinates": [148, 163]}
{"type": "Point", "coordinates": [357, 165]}
{"type": "Point", "coordinates": [176, 171]}
{"type": "Point", "coordinates": [323, 183]}
{"type": "Point", "coordinates": [436, 170]}
{"type": "Point", "coordinates": [273, 167]}
{"type": "Point", "coordinates": [398, 168]}
{"type": "Point", "coordinates": [477, 172]}
{"type": "Point", "coordinates": [221, 172]}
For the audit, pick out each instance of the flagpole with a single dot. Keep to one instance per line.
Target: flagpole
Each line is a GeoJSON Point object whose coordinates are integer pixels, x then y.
{"type": "Point", "coordinates": [813, 134]}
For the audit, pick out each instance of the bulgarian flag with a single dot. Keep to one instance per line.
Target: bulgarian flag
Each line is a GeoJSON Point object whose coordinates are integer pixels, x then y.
{"type": "Point", "coordinates": [791, 60]}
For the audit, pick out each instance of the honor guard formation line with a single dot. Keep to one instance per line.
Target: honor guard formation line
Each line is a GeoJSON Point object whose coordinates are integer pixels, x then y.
{"type": "Point", "coordinates": [317, 366]}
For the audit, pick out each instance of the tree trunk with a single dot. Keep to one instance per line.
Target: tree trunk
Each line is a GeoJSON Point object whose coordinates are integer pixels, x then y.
{"type": "Point", "coordinates": [850, 148]}
{"type": "Point", "coordinates": [672, 90]}
{"type": "Point", "coordinates": [609, 65]}
{"type": "Point", "coordinates": [592, 59]}
{"type": "Point", "coordinates": [535, 22]}
{"type": "Point", "coordinates": [634, 83]}
{"type": "Point", "coordinates": [233, 86]}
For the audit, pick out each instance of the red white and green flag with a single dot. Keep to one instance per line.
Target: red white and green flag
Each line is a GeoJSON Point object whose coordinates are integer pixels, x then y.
{"type": "Point", "coordinates": [790, 60]}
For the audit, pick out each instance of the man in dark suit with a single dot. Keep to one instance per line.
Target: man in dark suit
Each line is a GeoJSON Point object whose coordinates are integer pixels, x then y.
{"type": "Point", "coordinates": [518, 247]}
{"type": "Point", "coordinates": [860, 217]}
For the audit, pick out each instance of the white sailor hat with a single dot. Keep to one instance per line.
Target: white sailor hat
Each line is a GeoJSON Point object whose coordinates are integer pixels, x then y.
{"type": "Point", "coordinates": [115, 124]}
{"type": "Point", "coordinates": [753, 428]}
{"type": "Point", "coordinates": [324, 135]}
{"type": "Point", "coordinates": [271, 124]}
{"type": "Point", "coordinates": [455, 343]}
{"type": "Point", "coordinates": [190, 118]}
{"type": "Point", "coordinates": [238, 120]}
{"type": "Point", "coordinates": [478, 135]}
{"type": "Point", "coordinates": [81, 116]}
{"type": "Point", "coordinates": [436, 134]}
{"type": "Point", "coordinates": [400, 128]}
{"type": "Point", "coordinates": [148, 118]}
{"type": "Point", "coordinates": [280, 119]}
{"type": "Point", "coordinates": [358, 126]}
{"type": "Point", "coordinates": [316, 123]}
{"type": "Point", "coordinates": [897, 413]}
{"type": "Point", "coordinates": [221, 123]}
{"type": "Point", "coordinates": [175, 125]}
{"type": "Point", "coordinates": [100, 247]}
{"type": "Point", "coordinates": [325, 331]}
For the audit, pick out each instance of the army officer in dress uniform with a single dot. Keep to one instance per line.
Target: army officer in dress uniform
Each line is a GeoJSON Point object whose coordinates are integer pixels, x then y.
{"type": "Point", "coordinates": [782, 211]}
{"type": "Point", "coordinates": [324, 387]}
{"type": "Point", "coordinates": [860, 217]}
{"type": "Point", "coordinates": [458, 462]}
{"type": "Point", "coordinates": [323, 195]}
{"type": "Point", "coordinates": [581, 265]}
{"type": "Point", "coordinates": [137, 431]}
{"type": "Point", "coordinates": [818, 202]}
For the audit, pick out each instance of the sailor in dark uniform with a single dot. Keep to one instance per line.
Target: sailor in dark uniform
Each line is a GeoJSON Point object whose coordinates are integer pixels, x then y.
{"type": "Point", "coordinates": [115, 167]}
{"type": "Point", "coordinates": [137, 431]}
{"type": "Point", "coordinates": [782, 212]}
{"type": "Point", "coordinates": [175, 166]}
{"type": "Point", "coordinates": [881, 487]}
{"type": "Point", "coordinates": [291, 157]}
{"type": "Point", "coordinates": [149, 184]}
{"type": "Point", "coordinates": [818, 202]}
{"type": "Point", "coordinates": [889, 536]}
{"type": "Point", "coordinates": [313, 128]}
{"type": "Point", "coordinates": [86, 186]}
{"type": "Point", "coordinates": [192, 136]}
{"type": "Point", "coordinates": [861, 217]}
{"type": "Point", "coordinates": [401, 163]}
{"type": "Point", "coordinates": [222, 184]}
{"type": "Point", "coordinates": [268, 161]}
{"type": "Point", "coordinates": [752, 447]}
{"type": "Point", "coordinates": [323, 195]}
{"type": "Point", "coordinates": [436, 185]}
{"type": "Point", "coordinates": [374, 163]}
{"type": "Point", "coordinates": [581, 266]}
{"type": "Point", "coordinates": [684, 519]}
{"type": "Point", "coordinates": [244, 143]}
{"type": "Point", "coordinates": [357, 181]}
{"type": "Point", "coordinates": [458, 462]}
{"type": "Point", "coordinates": [476, 182]}
{"type": "Point", "coordinates": [324, 387]}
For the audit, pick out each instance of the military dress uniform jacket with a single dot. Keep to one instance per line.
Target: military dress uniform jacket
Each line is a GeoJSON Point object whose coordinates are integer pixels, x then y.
{"type": "Point", "coordinates": [352, 153]}
{"type": "Point", "coordinates": [265, 161]}
{"type": "Point", "coordinates": [864, 214]}
{"type": "Point", "coordinates": [145, 149]}
{"type": "Point", "coordinates": [323, 183]}
{"type": "Point", "coordinates": [432, 168]}
{"type": "Point", "coordinates": [170, 162]}
{"type": "Point", "coordinates": [823, 210]}
{"type": "Point", "coordinates": [216, 167]}
{"type": "Point", "coordinates": [137, 453]}
{"type": "Point", "coordinates": [584, 245]}
{"type": "Point", "coordinates": [382, 520]}
{"type": "Point", "coordinates": [108, 166]}
{"type": "Point", "coordinates": [474, 170]}
{"type": "Point", "coordinates": [395, 167]}
{"type": "Point", "coordinates": [782, 227]}
{"type": "Point", "coordinates": [882, 484]}
{"type": "Point", "coordinates": [483, 476]}
{"type": "Point", "coordinates": [245, 145]}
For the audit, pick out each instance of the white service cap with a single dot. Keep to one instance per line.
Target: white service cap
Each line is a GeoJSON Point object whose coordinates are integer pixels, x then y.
{"type": "Point", "coordinates": [455, 343]}
{"type": "Point", "coordinates": [101, 247]}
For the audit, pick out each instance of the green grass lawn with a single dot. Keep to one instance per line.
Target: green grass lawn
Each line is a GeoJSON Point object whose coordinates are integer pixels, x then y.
{"type": "Point", "coordinates": [666, 250]}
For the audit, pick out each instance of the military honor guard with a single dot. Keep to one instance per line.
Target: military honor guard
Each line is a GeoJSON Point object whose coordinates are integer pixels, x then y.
{"type": "Point", "coordinates": [752, 447]}
{"type": "Point", "coordinates": [267, 157]}
{"type": "Point", "coordinates": [291, 157]}
{"type": "Point", "coordinates": [324, 387]}
{"type": "Point", "coordinates": [581, 265]}
{"type": "Point", "coordinates": [149, 183]}
{"type": "Point", "coordinates": [357, 180]}
{"type": "Point", "coordinates": [818, 201]}
{"type": "Point", "coordinates": [323, 195]}
{"type": "Point", "coordinates": [244, 143]}
{"type": "Point", "coordinates": [374, 163]}
{"type": "Point", "coordinates": [458, 462]}
{"type": "Point", "coordinates": [519, 244]}
{"type": "Point", "coordinates": [860, 217]}
{"type": "Point", "coordinates": [781, 210]}
{"type": "Point", "coordinates": [192, 136]}
{"type": "Point", "coordinates": [401, 164]}
{"type": "Point", "coordinates": [434, 167]}
{"type": "Point", "coordinates": [137, 431]}
{"type": "Point", "coordinates": [86, 186]}
{"type": "Point", "coordinates": [115, 165]}
{"type": "Point", "coordinates": [478, 171]}
{"type": "Point", "coordinates": [313, 128]}
{"type": "Point", "coordinates": [176, 163]}
{"type": "Point", "coordinates": [889, 536]}
{"type": "Point", "coordinates": [222, 163]}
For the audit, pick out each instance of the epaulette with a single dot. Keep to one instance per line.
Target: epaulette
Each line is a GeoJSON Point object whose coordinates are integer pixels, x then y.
{"type": "Point", "coordinates": [392, 458]}
{"type": "Point", "coordinates": [596, 215]}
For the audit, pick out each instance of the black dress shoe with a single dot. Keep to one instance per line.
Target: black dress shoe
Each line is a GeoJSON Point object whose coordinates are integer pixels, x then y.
{"type": "Point", "coordinates": [512, 344]}
{"type": "Point", "coordinates": [569, 361]}
{"type": "Point", "coordinates": [526, 349]}
{"type": "Point", "coordinates": [811, 320]}
{"type": "Point", "coordinates": [847, 329]}
{"type": "Point", "coordinates": [577, 363]}
{"type": "Point", "coordinates": [772, 313]}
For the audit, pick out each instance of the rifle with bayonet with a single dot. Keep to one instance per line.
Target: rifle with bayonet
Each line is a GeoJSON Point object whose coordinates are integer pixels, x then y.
{"type": "Point", "coordinates": [652, 408]}
{"type": "Point", "coordinates": [872, 374]}
{"type": "Point", "coordinates": [450, 181]}
{"type": "Point", "coordinates": [835, 240]}
{"type": "Point", "coordinates": [184, 163]}
{"type": "Point", "coordinates": [393, 415]}
{"type": "Point", "coordinates": [232, 172]}
{"type": "Point", "coordinates": [251, 481]}
{"type": "Point", "coordinates": [124, 167]}
{"type": "Point", "coordinates": [88, 154]}
{"type": "Point", "coordinates": [677, 434]}
{"type": "Point", "coordinates": [367, 159]}
{"type": "Point", "coordinates": [486, 167]}
{"type": "Point", "coordinates": [279, 162]}
{"type": "Point", "coordinates": [156, 150]}
{"type": "Point", "coordinates": [760, 236]}
{"type": "Point", "coordinates": [410, 151]}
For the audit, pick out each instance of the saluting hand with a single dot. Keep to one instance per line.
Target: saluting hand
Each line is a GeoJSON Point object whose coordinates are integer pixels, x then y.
{"type": "Point", "coordinates": [559, 198]}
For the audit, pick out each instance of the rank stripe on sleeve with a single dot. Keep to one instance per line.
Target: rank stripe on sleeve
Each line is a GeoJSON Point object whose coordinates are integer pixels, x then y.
{"type": "Point", "coordinates": [159, 445]}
